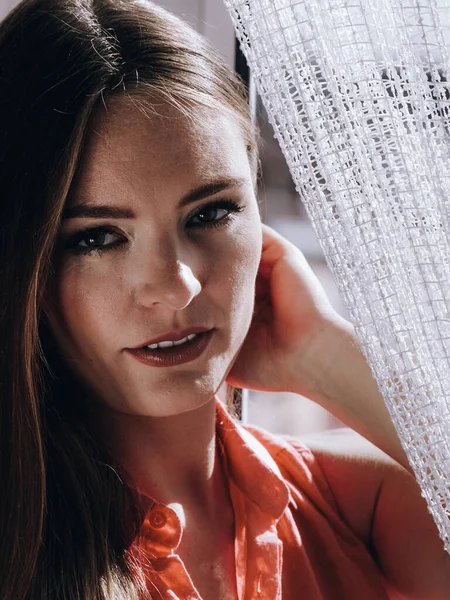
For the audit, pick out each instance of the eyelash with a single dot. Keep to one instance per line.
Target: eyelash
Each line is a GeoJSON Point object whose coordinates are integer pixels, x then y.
{"type": "Point", "coordinates": [72, 241]}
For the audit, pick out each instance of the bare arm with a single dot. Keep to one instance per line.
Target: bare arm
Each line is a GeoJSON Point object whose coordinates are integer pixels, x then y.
{"type": "Point", "coordinates": [340, 380]}
{"type": "Point", "coordinates": [383, 505]}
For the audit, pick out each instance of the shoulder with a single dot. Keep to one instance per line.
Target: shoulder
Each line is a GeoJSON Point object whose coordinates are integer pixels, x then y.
{"type": "Point", "coordinates": [346, 476]}
{"type": "Point", "coordinates": [345, 468]}
{"type": "Point", "coordinates": [383, 504]}
{"type": "Point", "coordinates": [355, 470]}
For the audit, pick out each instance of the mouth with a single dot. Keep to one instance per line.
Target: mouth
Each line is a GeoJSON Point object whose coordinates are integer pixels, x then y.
{"type": "Point", "coordinates": [170, 354]}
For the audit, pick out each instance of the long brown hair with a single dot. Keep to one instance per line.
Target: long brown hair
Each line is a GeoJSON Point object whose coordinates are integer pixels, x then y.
{"type": "Point", "coordinates": [67, 517]}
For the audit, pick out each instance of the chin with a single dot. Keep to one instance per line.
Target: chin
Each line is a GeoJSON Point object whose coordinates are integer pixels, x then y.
{"type": "Point", "coordinates": [168, 404]}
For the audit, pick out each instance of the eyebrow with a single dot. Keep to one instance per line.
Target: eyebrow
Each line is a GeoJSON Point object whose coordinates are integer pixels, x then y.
{"type": "Point", "coordinates": [97, 211]}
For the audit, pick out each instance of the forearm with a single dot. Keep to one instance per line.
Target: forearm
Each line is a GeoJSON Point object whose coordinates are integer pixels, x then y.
{"type": "Point", "coordinates": [403, 537]}
{"type": "Point", "coordinates": [340, 380]}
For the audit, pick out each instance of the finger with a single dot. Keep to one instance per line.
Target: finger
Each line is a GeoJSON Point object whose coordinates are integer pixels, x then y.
{"type": "Point", "coordinates": [273, 249]}
{"type": "Point", "coordinates": [276, 247]}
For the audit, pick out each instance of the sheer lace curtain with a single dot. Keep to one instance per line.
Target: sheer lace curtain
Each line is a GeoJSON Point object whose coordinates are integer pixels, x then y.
{"type": "Point", "coordinates": [358, 95]}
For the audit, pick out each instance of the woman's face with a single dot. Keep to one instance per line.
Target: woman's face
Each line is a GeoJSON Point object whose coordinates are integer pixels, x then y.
{"type": "Point", "coordinates": [147, 249]}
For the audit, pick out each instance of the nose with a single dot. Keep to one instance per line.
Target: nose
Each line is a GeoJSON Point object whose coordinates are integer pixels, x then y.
{"type": "Point", "coordinates": [167, 281]}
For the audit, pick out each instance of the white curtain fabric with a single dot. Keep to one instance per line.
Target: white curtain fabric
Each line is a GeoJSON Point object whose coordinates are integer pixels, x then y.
{"type": "Point", "coordinates": [358, 95]}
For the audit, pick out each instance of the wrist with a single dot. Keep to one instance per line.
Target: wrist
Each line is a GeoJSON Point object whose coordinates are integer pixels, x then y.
{"type": "Point", "coordinates": [318, 369]}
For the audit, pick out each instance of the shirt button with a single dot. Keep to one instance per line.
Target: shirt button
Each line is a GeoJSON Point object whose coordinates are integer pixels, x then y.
{"type": "Point", "coordinates": [157, 519]}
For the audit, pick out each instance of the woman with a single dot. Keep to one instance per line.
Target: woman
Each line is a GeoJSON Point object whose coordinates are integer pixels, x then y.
{"type": "Point", "coordinates": [136, 278]}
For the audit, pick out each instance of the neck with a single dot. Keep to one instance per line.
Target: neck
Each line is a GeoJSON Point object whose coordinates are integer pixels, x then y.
{"type": "Point", "coordinates": [170, 459]}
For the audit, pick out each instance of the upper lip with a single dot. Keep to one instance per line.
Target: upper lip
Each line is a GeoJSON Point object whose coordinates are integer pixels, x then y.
{"type": "Point", "coordinates": [172, 336]}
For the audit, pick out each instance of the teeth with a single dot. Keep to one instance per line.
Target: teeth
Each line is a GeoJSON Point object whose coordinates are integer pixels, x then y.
{"type": "Point", "coordinates": [184, 340]}
{"type": "Point", "coordinates": [164, 344]}
{"type": "Point", "coordinates": [170, 344]}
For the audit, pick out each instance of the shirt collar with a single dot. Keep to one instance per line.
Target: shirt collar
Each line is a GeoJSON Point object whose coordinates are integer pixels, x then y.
{"type": "Point", "coordinates": [250, 465]}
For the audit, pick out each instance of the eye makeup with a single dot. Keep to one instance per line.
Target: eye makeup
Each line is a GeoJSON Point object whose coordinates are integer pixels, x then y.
{"type": "Point", "coordinates": [230, 206]}
{"type": "Point", "coordinates": [93, 240]}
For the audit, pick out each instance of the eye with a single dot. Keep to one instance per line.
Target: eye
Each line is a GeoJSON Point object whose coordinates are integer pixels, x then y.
{"type": "Point", "coordinates": [215, 214]}
{"type": "Point", "coordinates": [98, 239]}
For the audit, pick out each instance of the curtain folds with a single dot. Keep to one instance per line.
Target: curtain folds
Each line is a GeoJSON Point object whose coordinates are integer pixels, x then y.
{"type": "Point", "coordinates": [358, 95]}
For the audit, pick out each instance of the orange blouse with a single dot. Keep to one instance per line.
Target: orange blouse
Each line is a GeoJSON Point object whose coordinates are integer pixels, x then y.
{"type": "Point", "coordinates": [291, 541]}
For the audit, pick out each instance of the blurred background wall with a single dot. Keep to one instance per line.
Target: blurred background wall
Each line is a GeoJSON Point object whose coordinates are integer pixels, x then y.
{"type": "Point", "coordinates": [281, 208]}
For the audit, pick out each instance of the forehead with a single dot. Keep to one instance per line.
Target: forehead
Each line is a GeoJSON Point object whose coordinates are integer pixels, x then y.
{"type": "Point", "coordinates": [168, 149]}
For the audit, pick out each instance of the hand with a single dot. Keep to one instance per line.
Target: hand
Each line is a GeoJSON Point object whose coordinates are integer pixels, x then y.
{"type": "Point", "coordinates": [291, 308]}
{"type": "Point", "coordinates": [298, 343]}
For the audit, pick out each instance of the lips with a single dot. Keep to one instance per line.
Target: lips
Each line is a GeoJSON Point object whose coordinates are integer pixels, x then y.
{"type": "Point", "coordinates": [172, 336]}
{"type": "Point", "coordinates": [175, 355]}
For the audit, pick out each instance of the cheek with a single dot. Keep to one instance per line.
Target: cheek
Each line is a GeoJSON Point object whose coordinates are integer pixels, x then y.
{"type": "Point", "coordinates": [241, 279]}
{"type": "Point", "coordinates": [248, 254]}
{"type": "Point", "coordinates": [86, 303]}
